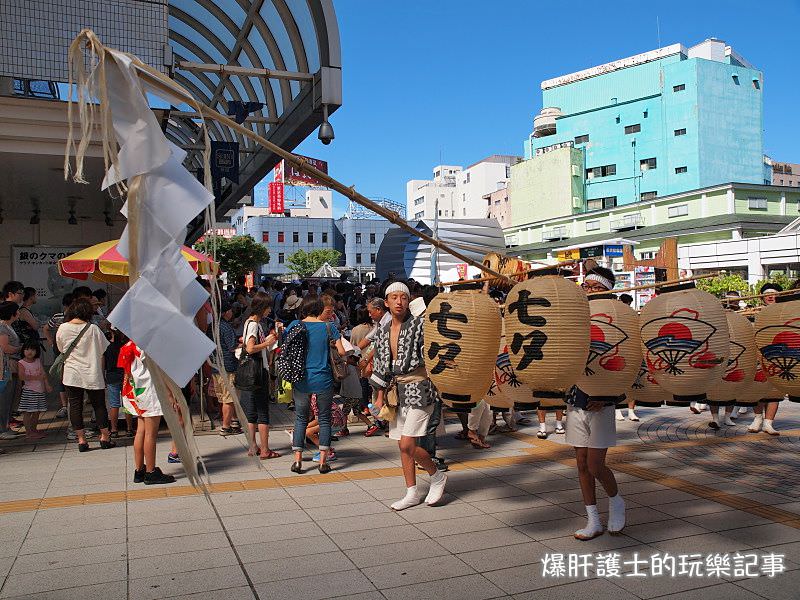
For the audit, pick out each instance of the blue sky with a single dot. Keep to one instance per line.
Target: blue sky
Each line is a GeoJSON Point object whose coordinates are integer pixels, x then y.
{"type": "Point", "coordinates": [461, 79]}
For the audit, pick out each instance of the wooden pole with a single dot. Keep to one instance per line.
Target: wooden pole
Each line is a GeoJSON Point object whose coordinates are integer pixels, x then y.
{"type": "Point", "coordinates": [512, 277]}
{"type": "Point", "coordinates": [655, 285]}
{"type": "Point", "coordinates": [157, 80]}
{"type": "Point", "coordinates": [754, 296]}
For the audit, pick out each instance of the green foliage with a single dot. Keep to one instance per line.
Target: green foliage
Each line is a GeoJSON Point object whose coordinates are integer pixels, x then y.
{"type": "Point", "coordinates": [725, 283]}
{"type": "Point", "coordinates": [237, 255]}
{"type": "Point", "coordinates": [305, 263]}
{"type": "Point", "coordinates": [780, 278]}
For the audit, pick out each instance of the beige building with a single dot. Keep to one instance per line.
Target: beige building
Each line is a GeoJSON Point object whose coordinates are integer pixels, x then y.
{"type": "Point", "coordinates": [786, 174]}
{"type": "Point", "coordinates": [499, 206]}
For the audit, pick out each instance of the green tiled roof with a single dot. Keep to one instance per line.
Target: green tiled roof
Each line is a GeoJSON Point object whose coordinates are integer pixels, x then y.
{"type": "Point", "coordinates": [760, 223]}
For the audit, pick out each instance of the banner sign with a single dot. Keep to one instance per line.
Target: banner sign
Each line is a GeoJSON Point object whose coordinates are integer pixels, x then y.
{"type": "Point", "coordinates": [290, 175]}
{"type": "Point", "coordinates": [462, 270]}
{"type": "Point", "coordinates": [225, 160]}
{"type": "Point", "coordinates": [573, 254]}
{"type": "Point", "coordinates": [37, 267]}
{"type": "Point", "coordinates": [276, 199]}
{"type": "Point", "coordinates": [613, 250]}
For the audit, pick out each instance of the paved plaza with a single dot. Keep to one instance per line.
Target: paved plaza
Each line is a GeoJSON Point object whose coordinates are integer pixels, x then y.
{"type": "Point", "coordinates": [75, 526]}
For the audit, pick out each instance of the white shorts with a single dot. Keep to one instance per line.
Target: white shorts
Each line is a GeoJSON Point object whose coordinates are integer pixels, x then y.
{"type": "Point", "coordinates": [591, 429]}
{"type": "Point", "coordinates": [410, 422]}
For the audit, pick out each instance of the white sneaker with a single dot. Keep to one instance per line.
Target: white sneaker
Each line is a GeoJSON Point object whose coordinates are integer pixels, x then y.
{"type": "Point", "coordinates": [435, 493]}
{"type": "Point", "coordinates": [728, 421]}
{"type": "Point", "coordinates": [616, 515]}
{"type": "Point", "coordinates": [755, 426]}
{"type": "Point", "coordinates": [412, 498]}
{"type": "Point", "coordinates": [620, 416]}
{"type": "Point", "coordinates": [632, 416]}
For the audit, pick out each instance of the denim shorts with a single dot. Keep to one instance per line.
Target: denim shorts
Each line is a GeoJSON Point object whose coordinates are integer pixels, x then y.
{"type": "Point", "coordinates": [114, 395]}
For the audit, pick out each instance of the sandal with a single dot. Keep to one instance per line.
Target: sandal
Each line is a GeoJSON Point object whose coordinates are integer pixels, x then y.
{"type": "Point", "coordinates": [271, 454]}
{"type": "Point", "coordinates": [253, 451]}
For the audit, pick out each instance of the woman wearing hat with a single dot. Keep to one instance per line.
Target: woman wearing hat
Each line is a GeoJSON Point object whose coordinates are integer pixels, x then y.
{"type": "Point", "coordinates": [291, 305]}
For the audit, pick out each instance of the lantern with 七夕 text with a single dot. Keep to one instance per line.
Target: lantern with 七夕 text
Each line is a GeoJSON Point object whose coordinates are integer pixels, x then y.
{"type": "Point", "coordinates": [685, 342]}
{"type": "Point", "coordinates": [614, 349]}
{"type": "Point", "coordinates": [777, 332]}
{"type": "Point", "coordinates": [741, 365]}
{"type": "Point", "coordinates": [462, 334]}
{"type": "Point", "coordinates": [645, 390]}
{"type": "Point", "coordinates": [547, 324]}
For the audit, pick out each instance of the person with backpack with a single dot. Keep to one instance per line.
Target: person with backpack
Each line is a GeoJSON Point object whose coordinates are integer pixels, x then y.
{"type": "Point", "coordinates": [304, 361]}
{"type": "Point", "coordinates": [253, 394]}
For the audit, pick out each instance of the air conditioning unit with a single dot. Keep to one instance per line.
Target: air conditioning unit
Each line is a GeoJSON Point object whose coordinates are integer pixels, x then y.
{"type": "Point", "coordinates": [576, 171]}
{"type": "Point", "coordinates": [577, 203]}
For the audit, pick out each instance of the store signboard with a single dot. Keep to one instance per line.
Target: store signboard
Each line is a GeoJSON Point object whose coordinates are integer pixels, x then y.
{"type": "Point", "coordinates": [288, 174]}
{"type": "Point", "coordinates": [592, 252]}
{"type": "Point", "coordinates": [612, 250]}
{"type": "Point", "coordinates": [37, 267]}
{"type": "Point", "coordinates": [573, 254]}
{"type": "Point", "coordinates": [276, 198]}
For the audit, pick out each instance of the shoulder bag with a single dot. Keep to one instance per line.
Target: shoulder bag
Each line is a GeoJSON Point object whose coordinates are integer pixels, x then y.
{"type": "Point", "coordinates": [249, 375]}
{"type": "Point", "coordinates": [337, 361]}
{"type": "Point", "coordinates": [57, 368]}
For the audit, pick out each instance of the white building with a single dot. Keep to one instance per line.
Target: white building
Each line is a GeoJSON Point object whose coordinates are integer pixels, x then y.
{"type": "Point", "coordinates": [459, 192]}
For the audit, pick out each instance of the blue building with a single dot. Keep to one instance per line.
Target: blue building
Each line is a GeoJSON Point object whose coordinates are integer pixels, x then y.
{"type": "Point", "coordinates": [656, 124]}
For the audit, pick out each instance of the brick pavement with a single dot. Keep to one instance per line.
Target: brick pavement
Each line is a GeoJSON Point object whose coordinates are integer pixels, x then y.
{"type": "Point", "coordinates": [74, 525]}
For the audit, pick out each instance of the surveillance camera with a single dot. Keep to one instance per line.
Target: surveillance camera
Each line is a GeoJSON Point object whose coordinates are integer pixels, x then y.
{"type": "Point", "coordinates": [325, 133]}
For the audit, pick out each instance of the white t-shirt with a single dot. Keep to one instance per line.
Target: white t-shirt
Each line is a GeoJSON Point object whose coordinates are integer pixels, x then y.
{"type": "Point", "coordinates": [84, 366]}
{"type": "Point", "coordinates": [253, 329]}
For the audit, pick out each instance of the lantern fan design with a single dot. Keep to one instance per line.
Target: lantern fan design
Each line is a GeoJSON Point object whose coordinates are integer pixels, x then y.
{"type": "Point", "coordinates": [741, 364]}
{"type": "Point", "coordinates": [645, 390]}
{"type": "Point", "coordinates": [777, 329]}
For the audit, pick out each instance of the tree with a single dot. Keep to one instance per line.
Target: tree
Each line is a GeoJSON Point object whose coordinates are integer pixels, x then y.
{"type": "Point", "coordinates": [305, 263]}
{"type": "Point", "coordinates": [237, 255]}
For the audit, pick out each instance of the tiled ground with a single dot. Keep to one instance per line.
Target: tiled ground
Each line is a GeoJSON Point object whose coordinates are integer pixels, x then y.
{"type": "Point", "coordinates": [688, 491]}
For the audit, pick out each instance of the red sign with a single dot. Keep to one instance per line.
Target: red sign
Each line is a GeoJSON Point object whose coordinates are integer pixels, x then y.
{"type": "Point", "coordinates": [462, 270]}
{"type": "Point", "coordinates": [276, 198]}
{"type": "Point", "coordinates": [291, 175]}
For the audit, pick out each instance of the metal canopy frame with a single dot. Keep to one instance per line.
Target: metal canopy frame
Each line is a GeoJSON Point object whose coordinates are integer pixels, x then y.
{"type": "Point", "coordinates": [285, 54]}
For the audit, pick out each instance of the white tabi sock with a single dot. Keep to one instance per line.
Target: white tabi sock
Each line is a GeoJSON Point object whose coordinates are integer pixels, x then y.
{"type": "Point", "coordinates": [593, 525]}
{"type": "Point", "coordinates": [436, 491]}
{"type": "Point", "coordinates": [412, 498]}
{"type": "Point", "coordinates": [616, 514]}
{"type": "Point", "coordinates": [620, 416]}
{"type": "Point", "coordinates": [769, 428]}
{"type": "Point", "coordinates": [755, 426]}
{"type": "Point", "coordinates": [543, 427]}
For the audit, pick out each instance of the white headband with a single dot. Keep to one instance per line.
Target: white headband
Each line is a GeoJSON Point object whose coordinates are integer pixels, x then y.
{"type": "Point", "coordinates": [398, 286]}
{"type": "Point", "coordinates": [600, 279]}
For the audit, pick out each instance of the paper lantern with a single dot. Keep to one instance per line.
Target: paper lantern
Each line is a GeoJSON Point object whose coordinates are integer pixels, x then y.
{"type": "Point", "coordinates": [615, 353]}
{"type": "Point", "coordinates": [462, 334]}
{"type": "Point", "coordinates": [511, 267]}
{"type": "Point", "coordinates": [685, 342]}
{"type": "Point", "coordinates": [645, 390]}
{"type": "Point", "coordinates": [507, 391]}
{"type": "Point", "coordinates": [547, 323]}
{"type": "Point", "coordinates": [759, 390]}
{"type": "Point", "coordinates": [777, 330]}
{"type": "Point", "coordinates": [741, 365]}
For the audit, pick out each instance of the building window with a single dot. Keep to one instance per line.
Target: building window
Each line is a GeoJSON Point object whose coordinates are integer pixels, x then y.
{"type": "Point", "coordinates": [679, 88]}
{"type": "Point", "coordinates": [756, 84]}
{"type": "Point", "coordinates": [295, 237]}
{"type": "Point", "coordinates": [648, 195]}
{"type": "Point", "coordinates": [601, 203]}
{"type": "Point", "coordinates": [358, 258]}
{"type": "Point", "coordinates": [647, 164]}
{"type": "Point", "coordinates": [281, 258]}
{"type": "Point", "coordinates": [647, 255]}
{"type": "Point", "coordinates": [419, 215]}
{"type": "Point", "coordinates": [757, 203]}
{"type": "Point", "coordinates": [644, 114]}
{"type": "Point", "coordinates": [436, 173]}
{"type": "Point", "coordinates": [735, 79]}
{"type": "Point", "coordinates": [681, 131]}
{"type": "Point", "coordinates": [371, 238]}
{"type": "Point", "coordinates": [592, 225]}
{"type": "Point", "coordinates": [280, 237]}
{"type": "Point", "coordinates": [467, 179]}
{"type": "Point", "coordinates": [372, 258]}
{"type": "Point", "coordinates": [310, 237]}
{"type": "Point", "coordinates": [633, 128]}
{"type": "Point", "coordinates": [678, 211]}
{"type": "Point", "coordinates": [324, 237]}
{"type": "Point", "coordinates": [603, 171]}
{"type": "Point", "coordinates": [358, 238]}
{"type": "Point", "coordinates": [508, 172]}
{"type": "Point", "coordinates": [582, 139]}
{"type": "Point", "coordinates": [679, 170]}
{"type": "Point", "coordinates": [265, 237]}
{"type": "Point", "coordinates": [420, 200]}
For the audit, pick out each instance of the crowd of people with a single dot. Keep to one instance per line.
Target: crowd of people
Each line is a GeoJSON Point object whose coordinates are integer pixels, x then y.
{"type": "Point", "coordinates": [350, 349]}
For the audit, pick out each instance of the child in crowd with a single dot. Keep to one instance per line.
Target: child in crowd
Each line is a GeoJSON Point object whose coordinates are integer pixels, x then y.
{"type": "Point", "coordinates": [34, 387]}
{"type": "Point", "coordinates": [114, 376]}
{"type": "Point", "coordinates": [352, 396]}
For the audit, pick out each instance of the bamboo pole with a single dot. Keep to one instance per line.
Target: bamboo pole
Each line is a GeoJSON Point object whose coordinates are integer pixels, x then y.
{"type": "Point", "coordinates": [520, 274]}
{"type": "Point", "coordinates": [157, 80]}
{"type": "Point", "coordinates": [656, 285]}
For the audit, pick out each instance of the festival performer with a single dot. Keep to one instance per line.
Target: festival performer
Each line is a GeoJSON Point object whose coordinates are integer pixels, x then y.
{"type": "Point", "coordinates": [591, 430]}
{"type": "Point", "coordinates": [402, 383]}
{"type": "Point", "coordinates": [765, 412]}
